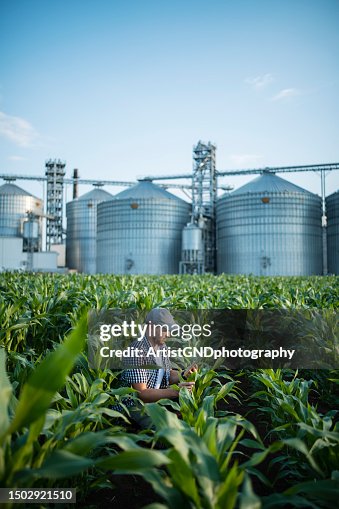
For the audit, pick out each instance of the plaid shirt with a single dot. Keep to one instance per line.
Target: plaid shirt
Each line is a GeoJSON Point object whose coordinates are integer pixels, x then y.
{"type": "Point", "coordinates": [140, 373]}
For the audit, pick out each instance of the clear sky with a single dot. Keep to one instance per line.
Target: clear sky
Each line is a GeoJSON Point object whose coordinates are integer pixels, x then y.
{"type": "Point", "coordinates": [124, 89]}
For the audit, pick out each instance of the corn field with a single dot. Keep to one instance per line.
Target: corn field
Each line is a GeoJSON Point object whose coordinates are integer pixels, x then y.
{"type": "Point", "coordinates": [242, 439]}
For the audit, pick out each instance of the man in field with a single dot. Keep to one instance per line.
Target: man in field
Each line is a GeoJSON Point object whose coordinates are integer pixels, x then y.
{"type": "Point", "coordinates": [152, 383]}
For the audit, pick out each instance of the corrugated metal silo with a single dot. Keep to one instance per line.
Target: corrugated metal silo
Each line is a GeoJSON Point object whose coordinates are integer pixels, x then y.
{"type": "Point", "coordinates": [332, 208]}
{"type": "Point", "coordinates": [269, 227]}
{"type": "Point", "coordinates": [139, 231]}
{"type": "Point", "coordinates": [81, 247]}
{"type": "Point", "coordinates": [14, 205]}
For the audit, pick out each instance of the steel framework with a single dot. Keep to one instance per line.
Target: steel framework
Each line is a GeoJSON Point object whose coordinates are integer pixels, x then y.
{"type": "Point", "coordinates": [204, 197]}
{"type": "Point", "coordinates": [55, 172]}
{"type": "Point", "coordinates": [95, 182]}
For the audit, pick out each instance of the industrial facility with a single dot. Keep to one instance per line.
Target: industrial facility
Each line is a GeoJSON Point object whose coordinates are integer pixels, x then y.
{"type": "Point", "coordinates": [267, 227]}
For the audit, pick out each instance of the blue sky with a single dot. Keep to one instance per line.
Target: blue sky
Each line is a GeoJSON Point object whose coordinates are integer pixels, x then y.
{"type": "Point", "coordinates": [124, 89]}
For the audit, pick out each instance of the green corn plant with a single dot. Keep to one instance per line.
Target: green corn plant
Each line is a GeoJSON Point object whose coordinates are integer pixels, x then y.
{"type": "Point", "coordinates": [313, 437]}
{"type": "Point", "coordinates": [323, 454]}
{"type": "Point", "coordinates": [285, 401]}
{"type": "Point", "coordinates": [57, 301]}
{"type": "Point", "coordinates": [34, 401]}
{"type": "Point", "coordinates": [21, 365]}
{"type": "Point", "coordinates": [202, 400]}
{"type": "Point", "coordinates": [13, 324]}
{"type": "Point", "coordinates": [21, 454]}
{"type": "Point", "coordinates": [85, 407]}
{"type": "Point", "coordinates": [209, 386]}
{"type": "Point", "coordinates": [311, 494]}
{"type": "Point", "coordinates": [203, 470]}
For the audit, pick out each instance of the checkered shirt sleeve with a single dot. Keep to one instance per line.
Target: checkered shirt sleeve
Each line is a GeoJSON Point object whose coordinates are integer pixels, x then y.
{"type": "Point", "coordinates": [138, 374]}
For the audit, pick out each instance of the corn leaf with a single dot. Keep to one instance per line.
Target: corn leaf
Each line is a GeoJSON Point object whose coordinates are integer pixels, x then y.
{"type": "Point", "coordinates": [5, 393]}
{"type": "Point", "coordinates": [47, 379]}
{"type": "Point", "coordinates": [136, 461]}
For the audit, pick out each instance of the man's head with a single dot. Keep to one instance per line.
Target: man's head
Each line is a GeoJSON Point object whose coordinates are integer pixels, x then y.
{"type": "Point", "coordinates": [161, 322]}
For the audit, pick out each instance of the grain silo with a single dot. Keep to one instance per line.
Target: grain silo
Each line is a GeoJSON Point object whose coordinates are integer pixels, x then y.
{"type": "Point", "coordinates": [15, 203]}
{"type": "Point", "coordinates": [332, 208]}
{"type": "Point", "coordinates": [139, 231]}
{"type": "Point", "coordinates": [82, 230]}
{"type": "Point", "coordinates": [269, 227]}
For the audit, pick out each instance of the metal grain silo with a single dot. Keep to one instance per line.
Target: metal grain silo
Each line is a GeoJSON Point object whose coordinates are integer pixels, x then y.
{"type": "Point", "coordinates": [269, 227]}
{"type": "Point", "coordinates": [14, 205]}
{"type": "Point", "coordinates": [81, 247]}
{"type": "Point", "coordinates": [332, 208]}
{"type": "Point", "coordinates": [139, 231]}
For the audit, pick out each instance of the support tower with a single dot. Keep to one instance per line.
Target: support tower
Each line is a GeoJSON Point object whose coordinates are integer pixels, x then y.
{"type": "Point", "coordinates": [55, 172]}
{"type": "Point", "coordinates": [204, 197]}
{"type": "Point", "coordinates": [198, 239]}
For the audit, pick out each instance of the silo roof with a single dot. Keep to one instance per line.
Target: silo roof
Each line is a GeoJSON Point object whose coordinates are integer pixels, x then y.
{"type": "Point", "coordinates": [14, 189]}
{"type": "Point", "coordinates": [147, 190]}
{"type": "Point", "coordinates": [269, 182]}
{"type": "Point", "coordinates": [96, 195]}
{"type": "Point", "coordinates": [333, 195]}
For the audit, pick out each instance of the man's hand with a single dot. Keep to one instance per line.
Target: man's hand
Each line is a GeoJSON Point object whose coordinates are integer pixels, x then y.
{"type": "Point", "coordinates": [177, 375]}
{"type": "Point", "coordinates": [189, 371]}
{"type": "Point", "coordinates": [188, 385]}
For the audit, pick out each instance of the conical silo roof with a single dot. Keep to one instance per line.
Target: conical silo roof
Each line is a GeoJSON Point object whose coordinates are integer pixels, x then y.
{"type": "Point", "coordinates": [269, 182]}
{"type": "Point", "coordinates": [147, 190]}
{"type": "Point", "coordinates": [96, 195]}
{"type": "Point", "coordinates": [14, 189]}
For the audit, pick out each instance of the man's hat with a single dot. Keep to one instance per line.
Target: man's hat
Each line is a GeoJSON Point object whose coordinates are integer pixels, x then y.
{"type": "Point", "coordinates": [161, 316]}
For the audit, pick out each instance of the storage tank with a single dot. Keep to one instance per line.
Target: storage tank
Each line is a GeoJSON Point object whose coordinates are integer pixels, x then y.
{"type": "Point", "coordinates": [192, 246]}
{"type": "Point", "coordinates": [31, 229]}
{"type": "Point", "coordinates": [269, 227]}
{"type": "Point", "coordinates": [139, 231]}
{"type": "Point", "coordinates": [332, 212]}
{"type": "Point", "coordinates": [81, 247]}
{"type": "Point", "coordinates": [192, 250]}
{"type": "Point", "coordinates": [32, 233]}
{"type": "Point", "coordinates": [14, 205]}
